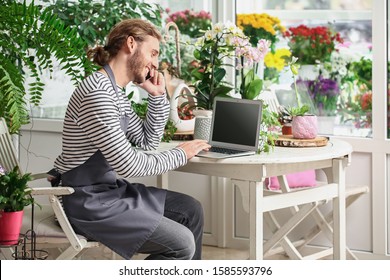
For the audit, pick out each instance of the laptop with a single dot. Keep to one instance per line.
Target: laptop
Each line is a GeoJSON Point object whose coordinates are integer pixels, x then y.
{"type": "Point", "coordinates": [235, 128]}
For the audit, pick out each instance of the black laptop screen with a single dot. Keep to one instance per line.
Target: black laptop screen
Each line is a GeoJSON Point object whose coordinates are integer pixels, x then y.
{"type": "Point", "coordinates": [236, 123]}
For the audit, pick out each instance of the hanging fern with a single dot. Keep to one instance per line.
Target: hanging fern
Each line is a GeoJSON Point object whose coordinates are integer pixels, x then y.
{"type": "Point", "coordinates": [30, 39]}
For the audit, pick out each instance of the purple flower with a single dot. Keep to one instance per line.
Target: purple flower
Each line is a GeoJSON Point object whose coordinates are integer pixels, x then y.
{"type": "Point", "coordinates": [2, 171]}
{"type": "Point", "coordinates": [326, 87]}
{"type": "Point", "coordinates": [324, 93]}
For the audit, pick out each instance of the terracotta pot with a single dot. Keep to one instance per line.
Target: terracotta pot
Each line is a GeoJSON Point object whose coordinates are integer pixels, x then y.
{"type": "Point", "coordinates": [304, 127]}
{"type": "Point", "coordinates": [10, 225]}
{"type": "Point", "coordinates": [287, 129]}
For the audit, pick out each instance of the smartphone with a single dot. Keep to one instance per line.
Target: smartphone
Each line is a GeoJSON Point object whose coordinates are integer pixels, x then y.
{"type": "Point", "coordinates": [148, 76]}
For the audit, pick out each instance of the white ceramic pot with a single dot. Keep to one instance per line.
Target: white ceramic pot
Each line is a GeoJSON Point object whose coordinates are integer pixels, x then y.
{"type": "Point", "coordinates": [304, 127]}
{"type": "Point", "coordinates": [176, 99]}
{"type": "Point", "coordinates": [202, 124]}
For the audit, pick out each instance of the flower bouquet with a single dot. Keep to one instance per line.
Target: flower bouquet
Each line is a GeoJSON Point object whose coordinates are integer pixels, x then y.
{"type": "Point", "coordinates": [248, 59]}
{"type": "Point", "coordinates": [358, 109]}
{"type": "Point", "coordinates": [274, 63]}
{"type": "Point", "coordinates": [260, 26]}
{"type": "Point", "coordinates": [265, 27]}
{"type": "Point", "coordinates": [213, 51]}
{"type": "Point", "coordinates": [190, 22]}
{"type": "Point", "coordinates": [325, 94]}
{"type": "Point", "coordinates": [312, 45]}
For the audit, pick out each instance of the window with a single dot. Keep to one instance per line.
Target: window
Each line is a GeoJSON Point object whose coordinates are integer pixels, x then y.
{"type": "Point", "coordinates": [352, 20]}
{"type": "Point", "coordinates": [388, 77]}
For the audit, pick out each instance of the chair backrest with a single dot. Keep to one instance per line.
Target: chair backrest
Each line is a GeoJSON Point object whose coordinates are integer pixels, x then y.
{"type": "Point", "coordinates": [269, 98]}
{"type": "Point", "coordinates": [47, 230]}
{"type": "Point", "coordinates": [8, 159]}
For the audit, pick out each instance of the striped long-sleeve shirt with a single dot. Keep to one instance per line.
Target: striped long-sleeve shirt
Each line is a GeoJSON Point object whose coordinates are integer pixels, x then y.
{"type": "Point", "coordinates": [92, 123]}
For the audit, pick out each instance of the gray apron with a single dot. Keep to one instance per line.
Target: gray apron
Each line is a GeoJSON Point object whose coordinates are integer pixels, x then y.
{"type": "Point", "coordinates": [119, 214]}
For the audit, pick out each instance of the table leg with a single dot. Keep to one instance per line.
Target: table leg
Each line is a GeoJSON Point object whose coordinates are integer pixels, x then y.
{"type": "Point", "coordinates": [162, 181]}
{"type": "Point", "coordinates": [339, 216]}
{"type": "Point", "coordinates": [255, 220]}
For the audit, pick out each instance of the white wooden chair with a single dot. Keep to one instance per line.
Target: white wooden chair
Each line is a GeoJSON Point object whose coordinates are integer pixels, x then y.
{"type": "Point", "coordinates": [269, 98]}
{"type": "Point", "coordinates": [323, 224]}
{"type": "Point", "coordinates": [48, 231]}
{"type": "Point", "coordinates": [280, 241]}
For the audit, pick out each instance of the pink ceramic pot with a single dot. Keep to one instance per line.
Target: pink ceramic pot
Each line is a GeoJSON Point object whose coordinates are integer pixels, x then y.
{"type": "Point", "coordinates": [304, 127]}
{"type": "Point", "coordinates": [10, 225]}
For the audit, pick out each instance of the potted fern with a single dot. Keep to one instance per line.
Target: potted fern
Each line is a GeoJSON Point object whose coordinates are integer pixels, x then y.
{"type": "Point", "coordinates": [14, 196]}
{"type": "Point", "coordinates": [31, 40]}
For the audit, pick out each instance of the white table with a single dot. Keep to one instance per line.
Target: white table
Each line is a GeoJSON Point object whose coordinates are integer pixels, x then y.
{"type": "Point", "coordinates": [251, 172]}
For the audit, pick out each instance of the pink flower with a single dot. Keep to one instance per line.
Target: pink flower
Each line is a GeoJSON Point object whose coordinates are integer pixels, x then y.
{"type": "Point", "coordinates": [263, 47]}
{"type": "Point", "coordinates": [345, 44]}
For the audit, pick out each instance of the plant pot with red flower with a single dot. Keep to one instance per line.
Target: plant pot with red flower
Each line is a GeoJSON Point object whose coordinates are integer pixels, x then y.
{"type": "Point", "coordinates": [180, 109]}
{"type": "Point", "coordinates": [14, 196]}
{"type": "Point", "coordinates": [312, 45]}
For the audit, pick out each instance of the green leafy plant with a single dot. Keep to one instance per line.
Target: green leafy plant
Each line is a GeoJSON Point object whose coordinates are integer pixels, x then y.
{"type": "Point", "coordinates": [249, 59]}
{"type": "Point", "coordinates": [141, 109]}
{"type": "Point", "coordinates": [14, 192]}
{"type": "Point", "coordinates": [94, 19]}
{"type": "Point", "coordinates": [212, 50]}
{"type": "Point", "coordinates": [300, 109]}
{"type": "Point", "coordinates": [286, 114]}
{"type": "Point", "coordinates": [361, 72]}
{"type": "Point", "coordinates": [169, 132]}
{"type": "Point", "coordinates": [270, 120]}
{"type": "Point", "coordinates": [31, 39]}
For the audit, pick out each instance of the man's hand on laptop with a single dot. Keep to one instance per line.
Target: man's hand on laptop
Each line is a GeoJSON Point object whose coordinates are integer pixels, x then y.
{"type": "Point", "coordinates": [192, 148]}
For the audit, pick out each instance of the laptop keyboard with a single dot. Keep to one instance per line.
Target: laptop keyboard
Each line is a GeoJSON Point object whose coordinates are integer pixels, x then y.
{"type": "Point", "coordinates": [224, 150]}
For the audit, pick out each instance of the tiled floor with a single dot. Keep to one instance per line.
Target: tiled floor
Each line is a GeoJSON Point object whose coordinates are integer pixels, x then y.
{"type": "Point", "coordinates": [209, 253]}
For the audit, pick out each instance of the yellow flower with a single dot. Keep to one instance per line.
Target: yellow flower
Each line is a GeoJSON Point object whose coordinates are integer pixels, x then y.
{"type": "Point", "coordinates": [278, 59]}
{"type": "Point", "coordinates": [260, 26]}
{"type": "Point", "coordinates": [265, 21]}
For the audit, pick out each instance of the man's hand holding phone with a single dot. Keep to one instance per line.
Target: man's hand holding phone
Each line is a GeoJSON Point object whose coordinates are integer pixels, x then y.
{"type": "Point", "coordinates": [154, 83]}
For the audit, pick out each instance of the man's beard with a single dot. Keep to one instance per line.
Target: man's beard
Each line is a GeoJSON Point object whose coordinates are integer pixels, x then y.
{"type": "Point", "coordinates": [135, 67]}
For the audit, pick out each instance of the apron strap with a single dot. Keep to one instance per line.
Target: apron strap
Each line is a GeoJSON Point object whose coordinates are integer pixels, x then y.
{"type": "Point", "coordinates": [111, 76]}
